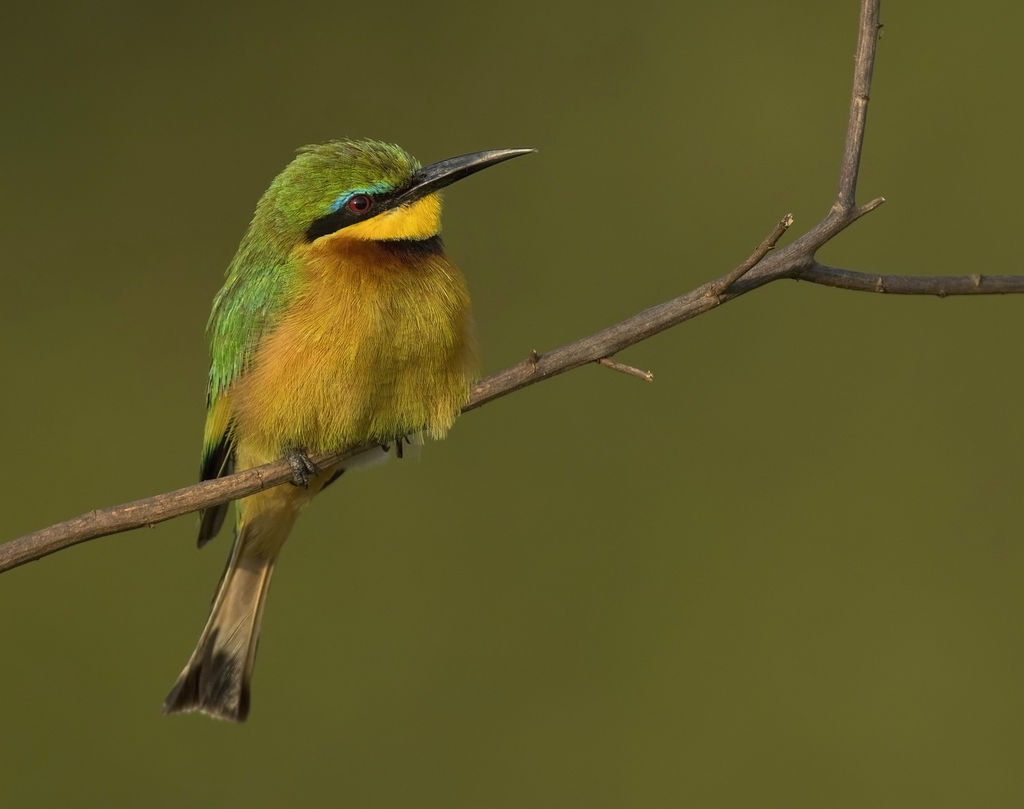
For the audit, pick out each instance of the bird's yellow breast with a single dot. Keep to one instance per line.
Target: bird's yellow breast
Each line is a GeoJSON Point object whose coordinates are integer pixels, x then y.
{"type": "Point", "coordinates": [376, 343]}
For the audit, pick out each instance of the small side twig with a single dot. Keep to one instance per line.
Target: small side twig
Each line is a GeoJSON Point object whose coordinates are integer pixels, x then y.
{"type": "Point", "coordinates": [622, 368]}
{"type": "Point", "coordinates": [768, 243]}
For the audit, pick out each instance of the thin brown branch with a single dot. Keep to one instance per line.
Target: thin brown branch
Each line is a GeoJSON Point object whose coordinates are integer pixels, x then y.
{"type": "Point", "coordinates": [794, 261]}
{"type": "Point", "coordinates": [938, 285]}
{"type": "Point", "coordinates": [150, 510]}
{"type": "Point", "coordinates": [863, 67]}
{"type": "Point", "coordinates": [622, 368]}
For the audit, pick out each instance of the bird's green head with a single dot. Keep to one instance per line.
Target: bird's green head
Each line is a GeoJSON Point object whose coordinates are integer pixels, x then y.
{"type": "Point", "coordinates": [362, 189]}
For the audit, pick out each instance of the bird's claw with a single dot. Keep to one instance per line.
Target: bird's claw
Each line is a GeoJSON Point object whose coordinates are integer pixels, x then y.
{"type": "Point", "coordinates": [302, 467]}
{"type": "Point", "coordinates": [400, 443]}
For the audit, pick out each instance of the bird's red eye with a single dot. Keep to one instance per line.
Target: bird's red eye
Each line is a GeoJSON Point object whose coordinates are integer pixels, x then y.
{"type": "Point", "coordinates": [359, 203]}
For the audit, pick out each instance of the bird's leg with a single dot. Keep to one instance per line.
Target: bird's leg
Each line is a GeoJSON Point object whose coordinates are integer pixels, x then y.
{"type": "Point", "coordinates": [400, 442]}
{"type": "Point", "coordinates": [302, 467]}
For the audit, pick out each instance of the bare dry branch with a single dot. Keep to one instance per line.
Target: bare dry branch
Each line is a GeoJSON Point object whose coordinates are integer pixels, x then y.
{"type": "Point", "coordinates": [795, 261]}
{"type": "Point", "coordinates": [863, 67]}
{"type": "Point", "coordinates": [938, 285]}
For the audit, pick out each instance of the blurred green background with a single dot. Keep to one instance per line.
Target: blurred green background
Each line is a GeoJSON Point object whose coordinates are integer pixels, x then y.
{"type": "Point", "coordinates": [786, 574]}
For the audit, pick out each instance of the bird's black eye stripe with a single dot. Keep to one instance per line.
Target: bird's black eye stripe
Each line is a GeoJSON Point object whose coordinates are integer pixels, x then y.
{"type": "Point", "coordinates": [327, 224]}
{"type": "Point", "coordinates": [356, 208]}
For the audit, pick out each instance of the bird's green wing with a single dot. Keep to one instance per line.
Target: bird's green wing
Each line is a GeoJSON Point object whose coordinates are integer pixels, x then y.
{"type": "Point", "coordinates": [246, 308]}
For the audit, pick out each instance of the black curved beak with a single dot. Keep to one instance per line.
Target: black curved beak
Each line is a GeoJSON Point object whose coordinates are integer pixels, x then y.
{"type": "Point", "coordinates": [427, 180]}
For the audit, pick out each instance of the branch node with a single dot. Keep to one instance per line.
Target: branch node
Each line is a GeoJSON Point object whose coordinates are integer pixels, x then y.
{"type": "Point", "coordinates": [534, 357]}
{"type": "Point", "coordinates": [622, 368]}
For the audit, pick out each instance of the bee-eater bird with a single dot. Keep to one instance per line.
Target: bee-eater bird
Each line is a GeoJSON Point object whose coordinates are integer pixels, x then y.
{"type": "Point", "coordinates": [341, 322]}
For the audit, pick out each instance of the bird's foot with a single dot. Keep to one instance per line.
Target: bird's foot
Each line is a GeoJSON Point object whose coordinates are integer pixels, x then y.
{"type": "Point", "coordinates": [302, 467]}
{"type": "Point", "coordinates": [400, 443]}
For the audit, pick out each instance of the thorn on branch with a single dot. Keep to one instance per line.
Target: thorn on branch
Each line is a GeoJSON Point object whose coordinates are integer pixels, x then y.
{"type": "Point", "coordinates": [622, 368]}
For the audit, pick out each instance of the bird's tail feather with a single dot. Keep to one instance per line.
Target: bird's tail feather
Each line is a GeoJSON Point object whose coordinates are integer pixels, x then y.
{"type": "Point", "coordinates": [216, 679]}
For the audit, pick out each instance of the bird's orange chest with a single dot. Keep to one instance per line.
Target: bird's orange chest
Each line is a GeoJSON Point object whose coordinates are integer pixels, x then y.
{"type": "Point", "coordinates": [376, 342]}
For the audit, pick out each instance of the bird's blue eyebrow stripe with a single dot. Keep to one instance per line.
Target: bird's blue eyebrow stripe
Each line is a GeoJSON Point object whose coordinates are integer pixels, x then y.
{"type": "Point", "coordinates": [376, 188]}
